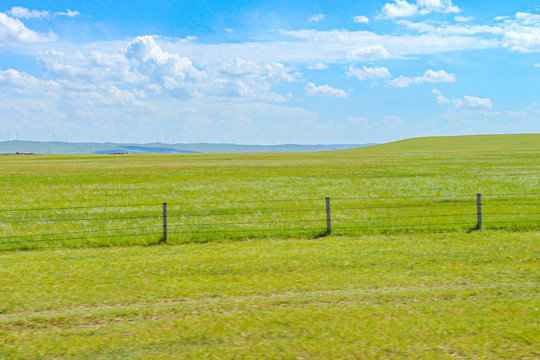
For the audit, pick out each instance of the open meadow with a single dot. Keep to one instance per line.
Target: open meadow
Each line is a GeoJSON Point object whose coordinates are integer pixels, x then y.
{"type": "Point", "coordinates": [247, 270]}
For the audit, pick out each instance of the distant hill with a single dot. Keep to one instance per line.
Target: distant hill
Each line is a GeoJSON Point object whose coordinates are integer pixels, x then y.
{"type": "Point", "coordinates": [60, 147]}
{"type": "Point", "coordinates": [458, 143]}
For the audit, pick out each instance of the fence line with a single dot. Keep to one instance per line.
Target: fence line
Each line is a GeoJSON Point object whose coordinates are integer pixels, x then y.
{"type": "Point", "coordinates": [259, 201]}
{"type": "Point", "coordinates": [83, 219]}
{"type": "Point", "coordinates": [343, 211]}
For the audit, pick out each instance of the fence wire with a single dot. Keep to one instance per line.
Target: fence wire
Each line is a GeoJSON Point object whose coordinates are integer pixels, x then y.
{"type": "Point", "coordinates": [187, 221]}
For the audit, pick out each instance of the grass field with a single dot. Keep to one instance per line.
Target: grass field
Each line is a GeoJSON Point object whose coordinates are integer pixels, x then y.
{"type": "Point", "coordinates": [377, 290]}
{"type": "Point", "coordinates": [402, 186]}
{"type": "Point", "coordinates": [471, 296]}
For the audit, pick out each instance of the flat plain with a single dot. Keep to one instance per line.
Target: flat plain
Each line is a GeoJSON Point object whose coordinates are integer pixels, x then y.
{"type": "Point", "coordinates": [266, 283]}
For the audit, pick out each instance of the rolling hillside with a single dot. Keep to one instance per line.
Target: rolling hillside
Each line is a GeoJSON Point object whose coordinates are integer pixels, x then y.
{"type": "Point", "coordinates": [459, 143]}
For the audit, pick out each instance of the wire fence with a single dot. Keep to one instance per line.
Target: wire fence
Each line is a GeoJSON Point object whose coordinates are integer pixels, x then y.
{"type": "Point", "coordinates": [179, 222]}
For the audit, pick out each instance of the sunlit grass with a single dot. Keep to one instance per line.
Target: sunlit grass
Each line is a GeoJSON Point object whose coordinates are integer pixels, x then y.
{"type": "Point", "coordinates": [248, 271]}
{"type": "Point", "coordinates": [212, 196]}
{"type": "Point", "coordinates": [400, 296]}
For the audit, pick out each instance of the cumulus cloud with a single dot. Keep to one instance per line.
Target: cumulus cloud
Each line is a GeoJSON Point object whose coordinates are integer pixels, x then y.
{"type": "Point", "coordinates": [360, 19]}
{"type": "Point", "coordinates": [13, 32]}
{"type": "Point", "coordinates": [317, 18]}
{"type": "Point", "coordinates": [24, 83]}
{"type": "Point", "coordinates": [441, 99]}
{"type": "Point", "coordinates": [442, 6]}
{"type": "Point", "coordinates": [467, 102]}
{"type": "Point", "coordinates": [402, 8]}
{"type": "Point", "coordinates": [148, 70]}
{"type": "Point", "coordinates": [528, 18]}
{"type": "Point", "coordinates": [368, 73]}
{"type": "Point", "coordinates": [24, 13]}
{"type": "Point", "coordinates": [324, 91]}
{"type": "Point", "coordinates": [92, 68]}
{"type": "Point", "coordinates": [430, 76]}
{"type": "Point", "coordinates": [399, 8]}
{"type": "Point", "coordinates": [470, 102]}
{"type": "Point", "coordinates": [369, 53]}
{"type": "Point", "coordinates": [522, 34]}
{"type": "Point", "coordinates": [522, 40]}
{"type": "Point", "coordinates": [318, 66]}
{"type": "Point", "coordinates": [170, 71]}
{"type": "Point", "coordinates": [438, 76]}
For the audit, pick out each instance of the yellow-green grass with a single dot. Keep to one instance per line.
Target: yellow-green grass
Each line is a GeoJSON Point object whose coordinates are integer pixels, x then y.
{"type": "Point", "coordinates": [461, 143]}
{"type": "Point", "coordinates": [438, 296]}
{"type": "Point", "coordinates": [394, 287]}
{"type": "Point", "coordinates": [418, 185]}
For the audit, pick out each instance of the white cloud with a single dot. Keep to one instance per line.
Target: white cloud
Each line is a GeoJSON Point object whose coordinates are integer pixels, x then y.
{"type": "Point", "coordinates": [369, 53]}
{"type": "Point", "coordinates": [441, 99]}
{"type": "Point", "coordinates": [324, 91]}
{"type": "Point", "coordinates": [318, 66]}
{"type": "Point", "coordinates": [522, 34]}
{"type": "Point", "coordinates": [25, 84]}
{"type": "Point", "coordinates": [438, 76]}
{"type": "Point", "coordinates": [445, 29]}
{"type": "Point", "coordinates": [13, 32]}
{"type": "Point", "coordinates": [442, 6]}
{"type": "Point", "coordinates": [149, 71]}
{"type": "Point", "coordinates": [528, 18]}
{"type": "Point", "coordinates": [94, 68]}
{"type": "Point", "coordinates": [68, 13]}
{"type": "Point", "coordinates": [466, 103]}
{"type": "Point", "coordinates": [317, 18]}
{"type": "Point", "coordinates": [360, 19]}
{"type": "Point", "coordinates": [240, 68]}
{"type": "Point", "coordinates": [340, 45]}
{"type": "Point", "coordinates": [170, 71]}
{"type": "Point", "coordinates": [522, 40]}
{"type": "Point", "coordinates": [460, 18]}
{"type": "Point", "coordinates": [401, 82]}
{"type": "Point", "coordinates": [24, 13]}
{"type": "Point", "coordinates": [537, 65]}
{"type": "Point", "coordinates": [470, 102]}
{"type": "Point", "coordinates": [368, 73]}
{"type": "Point", "coordinates": [400, 8]}
{"type": "Point", "coordinates": [429, 76]}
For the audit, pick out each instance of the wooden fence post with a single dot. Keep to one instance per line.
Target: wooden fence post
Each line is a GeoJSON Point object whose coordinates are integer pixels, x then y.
{"type": "Point", "coordinates": [164, 239]}
{"type": "Point", "coordinates": [478, 211]}
{"type": "Point", "coordinates": [328, 219]}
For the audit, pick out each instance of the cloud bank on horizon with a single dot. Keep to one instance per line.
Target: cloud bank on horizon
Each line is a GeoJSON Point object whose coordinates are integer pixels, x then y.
{"type": "Point", "coordinates": [265, 72]}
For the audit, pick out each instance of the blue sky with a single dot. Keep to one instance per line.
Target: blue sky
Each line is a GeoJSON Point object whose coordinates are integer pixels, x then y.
{"type": "Point", "coordinates": [266, 71]}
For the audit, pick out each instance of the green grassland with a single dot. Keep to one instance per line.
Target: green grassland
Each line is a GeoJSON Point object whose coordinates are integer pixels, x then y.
{"type": "Point", "coordinates": [431, 296]}
{"type": "Point", "coordinates": [409, 187]}
{"type": "Point", "coordinates": [246, 271]}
